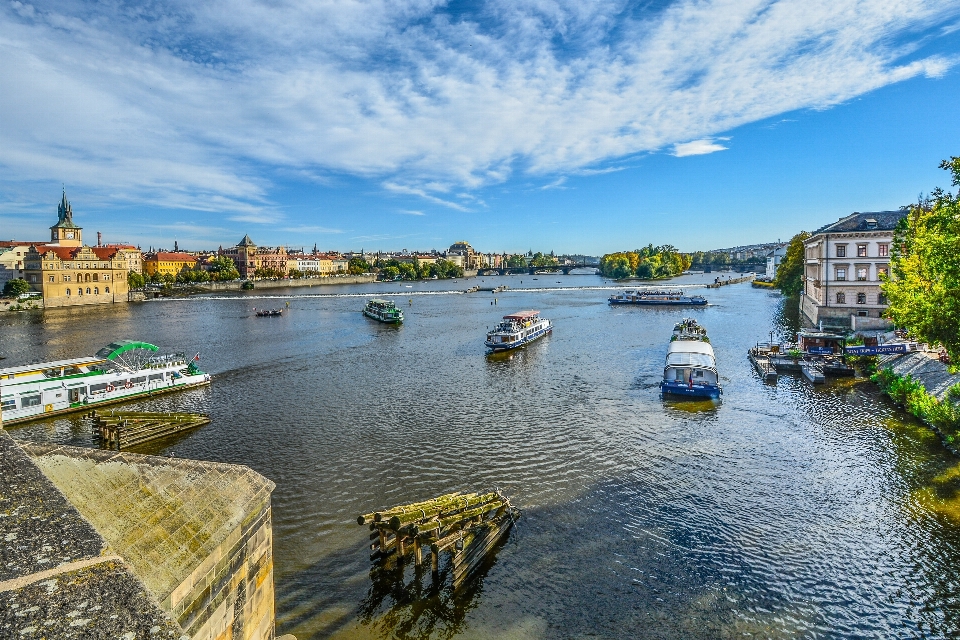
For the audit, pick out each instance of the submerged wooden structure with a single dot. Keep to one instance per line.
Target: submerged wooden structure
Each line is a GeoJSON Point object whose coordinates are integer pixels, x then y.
{"type": "Point", "coordinates": [466, 525]}
{"type": "Point", "coordinates": [124, 429]}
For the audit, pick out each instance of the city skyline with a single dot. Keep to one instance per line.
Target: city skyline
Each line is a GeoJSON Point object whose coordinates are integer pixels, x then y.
{"type": "Point", "coordinates": [574, 130]}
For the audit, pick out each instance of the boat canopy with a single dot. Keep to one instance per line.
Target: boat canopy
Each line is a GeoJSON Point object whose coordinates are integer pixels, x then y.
{"type": "Point", "coordinates": [690, 353]}
{"type": "Point", "coordinates": [522, 315]}
{"type": "Point", "coordinates": [115, 349]}
{"type": "Point", "coordinates": [379, 301]}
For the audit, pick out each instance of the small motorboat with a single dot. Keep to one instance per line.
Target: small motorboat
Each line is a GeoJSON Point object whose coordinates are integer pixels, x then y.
{"type": "Point", "coordinates": [261, 313]}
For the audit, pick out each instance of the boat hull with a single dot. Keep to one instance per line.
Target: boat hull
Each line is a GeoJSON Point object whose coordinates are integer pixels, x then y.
{"type": "Point", "coordinates": [660, 303]}
{"type": "Point", "coordinates": [509, 346]}
{"type": "Point", "coordinates": [682, 389]}
{"type": "Point", "coordinates": [373, 316]}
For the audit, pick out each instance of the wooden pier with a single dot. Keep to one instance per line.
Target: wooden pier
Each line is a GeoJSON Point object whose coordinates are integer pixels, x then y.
{"type": "Point", "coordinates": [467, 526]}
{"type": "Point", "coordinates": [121, 430]}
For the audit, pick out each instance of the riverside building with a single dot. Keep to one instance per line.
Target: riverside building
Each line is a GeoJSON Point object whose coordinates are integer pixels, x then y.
{"type": "Point", "coordinates": [70, 273]}
{"type": "Point", "coordinates": [844, 264]}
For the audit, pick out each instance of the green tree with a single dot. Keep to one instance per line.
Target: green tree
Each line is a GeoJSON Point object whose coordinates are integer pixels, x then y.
{"type": "Point", "coordinates": [223, 269]}
{"type": "Point", "coordinates": [789, 278]}
{"type": "Point", "coordinates": [135, 280]}
{"type": "Point", "coordinates": [407, 271]}
{"type": "Point", "coordinates": [924, 290]}
{"type": "Point", "coordinates": [541, 260]}
{"type": "Point", "coordinates": [358, 265]}
{"type": "Point", "coordinates": [390, 273]}
{"type": "Point", "coordinates": [516, 261]}
{"type": "Point", "coordinates": [15, 287]}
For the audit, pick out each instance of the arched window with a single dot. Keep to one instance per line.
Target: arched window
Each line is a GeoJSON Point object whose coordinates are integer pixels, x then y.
{"type": "Point", "coordinates": [68, 292]}
{"type": "Point", "coordinates": [79, 291]}
{"type": "Point", "coordinates": [96, 291]}
{"type": "Point", "coordinates": [106, 289]}
{"type": "Point", "coordinates": [88, 290]}
{"type": "Point", "coordinates": [87, 279]}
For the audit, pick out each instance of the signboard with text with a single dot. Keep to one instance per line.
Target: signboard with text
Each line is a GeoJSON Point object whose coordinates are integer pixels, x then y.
{"type": "Point", "coordinates": [878, 350]}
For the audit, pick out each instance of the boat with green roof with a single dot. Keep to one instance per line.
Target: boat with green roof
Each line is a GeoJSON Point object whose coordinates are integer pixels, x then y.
{"type": "Point", "coordinates": [383, 311]}
{"type": "Point", "coordinates": [120, 371]}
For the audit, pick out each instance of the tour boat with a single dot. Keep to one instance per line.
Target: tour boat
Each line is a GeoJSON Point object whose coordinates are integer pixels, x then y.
{"type": "Point", "coordinates": [640, 296]}
{"type": "Point", "coordinates": [518, 329]}
{"type": "Point", "coordinates": [120, 371]}
{"type": "Point", "coordinates": [383, 311]}
{"type": "Point", "coordinates": [691, 368]}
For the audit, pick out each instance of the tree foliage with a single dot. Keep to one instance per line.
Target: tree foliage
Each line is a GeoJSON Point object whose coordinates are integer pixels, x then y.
{"type": "Point", "coordinates": [924, 290]}
{"type": "Point", "coordinates": [15, 287]}
{"type": "Point", "coordinates": [789, 278]}
{"type": "Point", "coordinates": [541, 260]}
{"type": "Point", "coordinates": [223, 269]}
{"type": "Point", "coordinates": [647, 263]}
{"type": "Point", "coordinates": [516, 261]}
{"type": "Point", "coordinates": [135, 280]}
{"type": "Point", "coordinates": [358, 266]}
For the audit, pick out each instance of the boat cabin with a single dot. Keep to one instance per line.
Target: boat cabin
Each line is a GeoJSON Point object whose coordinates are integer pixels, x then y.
{"type": "Point", "coordinates": [821, 343]}
{"type": "Point", "coordinates": [690, 362]}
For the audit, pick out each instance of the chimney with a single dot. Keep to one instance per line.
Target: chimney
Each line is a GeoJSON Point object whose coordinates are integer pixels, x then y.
{"type": "Point", "coordinates": [99, 239]}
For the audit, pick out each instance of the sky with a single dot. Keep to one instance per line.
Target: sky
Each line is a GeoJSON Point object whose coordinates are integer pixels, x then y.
{"type": "Point", "coordinates": [551, 125]}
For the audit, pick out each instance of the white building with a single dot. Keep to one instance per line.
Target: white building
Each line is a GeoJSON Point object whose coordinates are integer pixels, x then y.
{"type": "Point", "coordinates": [844, 264]}
{"type": "Point", "coordinates": [774, 258]}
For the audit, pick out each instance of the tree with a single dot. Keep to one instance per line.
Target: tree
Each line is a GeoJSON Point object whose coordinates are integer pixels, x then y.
{"type": "Point", "coordinates": [516, 261]}
{"type": "Point", "coordinates": [407, 271]}
{"type": "Point", "coordinates": [16, 287]}
{"type": "Point", "coordinates": [924, 290]}
{"type": "Point", "coordinates": [135, 280]}
{"type": "Point", "coordinates": [358, 265]}
{"type": "Point", "coordinates": [540, 260]}
{"type": "Point", "coordinates": [390, 273]}
{"type": "Point", "coordinates": [223, 269]}
{"type": "Point", "coordinates": [789, 278]}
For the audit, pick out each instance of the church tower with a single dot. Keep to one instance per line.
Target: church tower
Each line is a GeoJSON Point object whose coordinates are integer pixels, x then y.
{"type": "Point", "coordinates": [65, 233]}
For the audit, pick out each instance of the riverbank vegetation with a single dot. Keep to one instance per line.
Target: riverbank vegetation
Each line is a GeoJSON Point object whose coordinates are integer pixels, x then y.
{"type": "Point", "coordinates": [924, 290]}
{"type": "Point", "coordinates": [441, 270]}
{"type": "Point", "coordinates": [789, 278]}
{"type": "Point", "coordinates": [905, 390]}
{"type": "Point", "coordinates": [648, 263]}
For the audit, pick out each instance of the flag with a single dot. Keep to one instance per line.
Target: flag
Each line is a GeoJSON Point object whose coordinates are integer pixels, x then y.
{"type": "Point", "coordinates": [196, 358]}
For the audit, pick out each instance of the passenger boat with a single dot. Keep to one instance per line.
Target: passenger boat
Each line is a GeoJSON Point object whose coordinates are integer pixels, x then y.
{"type": "Point", "coordinates": [518, 329]}
{"type": "Point", "coordinates": [120, 371]}
{"type": "Point", "coordinates": [383, 311]}
{"type": "Point", "coordinates": [691, 368]}
{"type": "Point", "coordinates": [639, 296]}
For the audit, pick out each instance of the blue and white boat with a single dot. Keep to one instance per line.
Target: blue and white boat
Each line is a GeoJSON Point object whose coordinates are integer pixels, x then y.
{"type": "Point", "coordinates": [644, 297]}
{"type": "Point", "coordinates": [691, 367]}
{"type": "Point", "coordinates": [518, 329]}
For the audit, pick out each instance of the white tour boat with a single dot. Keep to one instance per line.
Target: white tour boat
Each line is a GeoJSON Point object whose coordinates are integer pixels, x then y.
{"type": "Point", "coordinates": [518, 329]}
{"type": "Point", "coordinates": [120, 371]}
{"type": "Point", "coordinates": [691, 368]}
{"type": "Point", "coordinates": [383, 311]}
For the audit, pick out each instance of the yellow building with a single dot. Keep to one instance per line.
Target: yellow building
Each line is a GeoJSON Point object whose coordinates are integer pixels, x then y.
{"type": "Point", "coordinates": [69, 273]}
{"type": "Point", "coordinates": [168, 262]}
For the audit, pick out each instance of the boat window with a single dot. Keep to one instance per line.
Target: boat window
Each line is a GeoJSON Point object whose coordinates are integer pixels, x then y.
{"type": "Point", "coordinates": [8, 404]}
{"type": "Point", "coordinates": [156, 376]}
{"type": "Point", "coordinates": [98, 388]}
{"type": "Point", "coordinates": [30, 401]}
{"type": "Point", "coordinates": [140, 380]}
{"type": "Point", "coordinates": [699, 373]}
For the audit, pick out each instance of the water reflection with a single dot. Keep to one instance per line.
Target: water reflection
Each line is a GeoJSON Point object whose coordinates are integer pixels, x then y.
{"type": "Point", "coordinates": [787, 319]}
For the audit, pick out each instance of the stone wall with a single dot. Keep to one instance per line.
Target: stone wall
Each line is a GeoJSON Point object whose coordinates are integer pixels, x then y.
{"type": "Point", "coordinates": [197, 533]}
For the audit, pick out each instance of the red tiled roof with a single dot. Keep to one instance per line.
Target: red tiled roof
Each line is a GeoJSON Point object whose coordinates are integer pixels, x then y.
{"type": "Point", "coordinates": [19, 243]}
{"type": "Point", "coordinates": [105, 253]}
{"type": "Point", "coordinates": [120, 246]}
{"type": "Point", "coordinates": [171, 256]}
{"type": "Point", "coordinates": [64, 253]}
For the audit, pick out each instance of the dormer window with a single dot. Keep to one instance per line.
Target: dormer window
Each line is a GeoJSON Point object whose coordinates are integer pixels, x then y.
{"type": "Point", "coordinates": [871, 223]}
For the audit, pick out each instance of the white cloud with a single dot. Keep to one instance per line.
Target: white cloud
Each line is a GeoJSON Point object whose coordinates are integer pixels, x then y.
{"type": "Point", "coordinates": [411, 212]}
{"type": "Point", "coordinates": [556, 184]}
{"type": "Point", "coordinates": [196, 105]}
{"type": "Point", "coordinates": [697, 147]}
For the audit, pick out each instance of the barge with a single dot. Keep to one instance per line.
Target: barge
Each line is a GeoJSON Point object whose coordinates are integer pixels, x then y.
{"type": "Point", "coordinates": [119, 372]}
{"type": "Point", "coordinates": [518, 329]}
{"type": "Point", "coordinates": [641, 297]}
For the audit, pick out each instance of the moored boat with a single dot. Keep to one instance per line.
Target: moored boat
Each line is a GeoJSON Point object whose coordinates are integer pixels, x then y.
{"type": "Point", "coordinates": [690, 369]}
{"type": "Point", "coordinates": [518, 329]}
{"type": "Point", "coordinates": [262, 313]}
{"type": "Point", "coordinates": [383, 311]}
{"type": "Point", "coordinates": [667, 297]}
{"type": "Point", "coordinates": [120, 371]}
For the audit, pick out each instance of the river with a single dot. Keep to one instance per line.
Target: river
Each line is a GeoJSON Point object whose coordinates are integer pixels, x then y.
{"type": "Point", "coordinates": [782, 511]}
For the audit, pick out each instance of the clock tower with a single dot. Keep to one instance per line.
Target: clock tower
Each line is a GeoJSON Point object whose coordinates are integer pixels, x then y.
{"type": "Point", "coordinates": [65, 233]}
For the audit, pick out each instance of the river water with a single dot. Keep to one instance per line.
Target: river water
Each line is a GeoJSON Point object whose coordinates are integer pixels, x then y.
{"type": "Point", "coordinates": [783, 511]}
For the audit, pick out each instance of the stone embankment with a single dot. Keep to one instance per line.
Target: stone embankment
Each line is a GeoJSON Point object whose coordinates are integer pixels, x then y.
{"type": "Point", "coordinates": [11, 304]}
{"type": "Point", "coordinates": [923, 367]}
{"type": "Point", "coordinates": [278, 284]}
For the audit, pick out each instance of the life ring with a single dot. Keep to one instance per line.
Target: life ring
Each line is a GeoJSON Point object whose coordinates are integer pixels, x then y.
{"type": "Point", "coordinates": [128, 385]}
{"type": "Point", "coordinates": [111, 388]}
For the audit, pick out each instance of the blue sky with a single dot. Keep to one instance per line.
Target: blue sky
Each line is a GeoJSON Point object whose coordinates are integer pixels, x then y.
{"type": "Point", "coordinates": [514, 124]}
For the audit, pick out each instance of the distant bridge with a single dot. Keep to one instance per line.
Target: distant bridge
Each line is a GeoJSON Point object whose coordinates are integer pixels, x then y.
{"type": "Point", "coordinates": [559, 268]}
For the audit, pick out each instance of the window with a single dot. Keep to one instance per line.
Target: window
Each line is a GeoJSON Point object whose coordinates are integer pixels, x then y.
{"type": "Point", "coordinates": [96, 276]}
{"type": "Point", "coordinates": [79, 291]}
{"type": "Point", "coordinates": [8, 404]}
{"type": "Point", "coordinates": [862, 314]}
{"type": "Point", "coordinates": [861, 298]}
{"type": "Point", "coordinates": [52, 278]}
{"type": "Point", "coordinates": [862, 273]}
{"type": "Point", "coordinates": [841, 274]}
{"type": "Point", "coordinates": [98, 388]}
{"type": "Point", "coordinates": [106, 276]}
{"type": "Point", "coordinates": [30, 401]}
{"type": "Point", "coordinates": [68, 292]}
{"type": "Point", "coordinates": [881, 298]}
{"type": "Point", "coordinates": [106, 289]}
{"type": "Point", "coordinates": [882, 272]}
{"type": "Point", "coordinates": [883, 250]}
{"type": "Point", "coordinates": [861, 251]}
{"type": "Point", "coordinates": [841, 298]}
{"type": "Point", "coordinates": [841, 251]}
{"type": "Point", "coordinates": [88, 290]}
{"type": "Point", "coordinates": [96, 291]}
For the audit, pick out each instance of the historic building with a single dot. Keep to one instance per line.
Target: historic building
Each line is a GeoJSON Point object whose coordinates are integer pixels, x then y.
{"type": "Point", "coordinates": [464, 256]}
{"type": "Point", "coordinates": [844, 263]}
{"type": "Point", "coordinates": [168, 262]}
{"type": "Point", "coordinates": [12, 255]}
{"type": "Point", "coordinates": [131, 254]}
{"type": "Point", "coordinates": [69, 273]}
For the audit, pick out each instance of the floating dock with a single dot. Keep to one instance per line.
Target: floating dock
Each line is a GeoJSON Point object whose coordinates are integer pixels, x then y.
{"type": "Point", "coordinates": [121, 430]}
{"type": "Point", "coordinates": [717, 285]}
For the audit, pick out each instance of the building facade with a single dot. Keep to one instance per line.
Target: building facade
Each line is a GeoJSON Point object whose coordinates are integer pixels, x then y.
{"type": "Point", "coordinates": [844, 266]}
{"type": "Point", "coordinates": [131, 254]}
{"type": "Point", "coordinates": [244, 256]}
{"type": "Point", "coordinates": [12, 255]}
{"type": "Point", "coordinates": [168, 262]}
{"type": "Point", "coordinates": [774, 258]}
